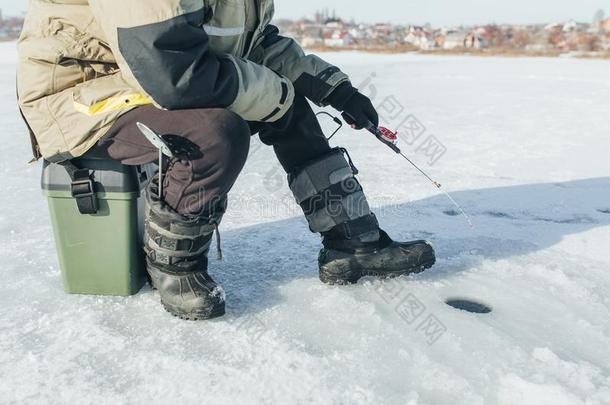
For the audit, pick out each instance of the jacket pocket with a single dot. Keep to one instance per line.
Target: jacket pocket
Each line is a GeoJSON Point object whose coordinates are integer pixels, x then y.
{"type": "Point", "coordinates": [106, 95]}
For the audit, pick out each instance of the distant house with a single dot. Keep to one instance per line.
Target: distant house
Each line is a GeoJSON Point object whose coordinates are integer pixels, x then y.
{"type": "Point", "coordinates": [605, 42]}
{"type": "Point", "coordinates": [419, 37]}
{"type": "Point", "coordinates": [454, 40]}
{"type": "Point", "coordinates": [309, 41]}
{"type": "Point", "coordinates": [383, 29]}
{"type": "Point", "coordinates": [335, 24]}
{"type": "Point", "coordinates": [337, 39]}
{"type": "Point", "coordinates": [558, 37]}
{"type": "Point", "coordinates": [473, 41]}
{"type": "Point", "coordinates": [605, 25]}
{"type": "Point", "coordinates": [553, 27]}
{"type": "Point", "coordinates": [570, 26]}
{"type": "Point", "coordinates": [420, 40]}
{"type": "Point", "coordinates": [357, 33]}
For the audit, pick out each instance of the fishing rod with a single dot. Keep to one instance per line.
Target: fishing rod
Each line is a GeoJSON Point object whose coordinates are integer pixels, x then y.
{"type": "Point", "coordinates": [390, 139]}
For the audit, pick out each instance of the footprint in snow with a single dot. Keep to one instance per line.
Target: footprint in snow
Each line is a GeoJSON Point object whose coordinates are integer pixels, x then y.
{"type": "Point", "coordinates": [577, 220]}
{"type": "Point", "coordinates": [495, 214]}
{"type": "Point", "coordinates": [498, 214]}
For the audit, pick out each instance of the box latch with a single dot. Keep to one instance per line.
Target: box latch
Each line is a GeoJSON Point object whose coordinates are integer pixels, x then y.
{"type": "Point", "coordinates": [83, 191]}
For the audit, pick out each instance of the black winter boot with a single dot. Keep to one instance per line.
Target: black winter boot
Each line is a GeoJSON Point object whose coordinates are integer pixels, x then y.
{"type": "Point", "coordinates": [335, 206]}
{"type": "Point", "coordinates": [176, 248]}
{"type": "Point", "coordinates": [345, 258]}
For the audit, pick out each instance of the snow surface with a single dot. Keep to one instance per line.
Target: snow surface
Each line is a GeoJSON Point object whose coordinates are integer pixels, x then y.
{"type": "Point", "coordinates": [526, 154]}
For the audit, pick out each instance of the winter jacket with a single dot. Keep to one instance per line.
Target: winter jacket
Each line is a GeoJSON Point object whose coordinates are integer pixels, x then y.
{"type": "Point", "coordinates": [84, 63]}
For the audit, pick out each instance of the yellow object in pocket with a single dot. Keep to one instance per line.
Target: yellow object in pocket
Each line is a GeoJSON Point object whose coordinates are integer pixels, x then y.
{"type": "Point", "coordinates": [128, 101]}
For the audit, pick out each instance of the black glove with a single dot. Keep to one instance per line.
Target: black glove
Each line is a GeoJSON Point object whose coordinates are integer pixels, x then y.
{"type": "Point", "coordinates": [358, 110]}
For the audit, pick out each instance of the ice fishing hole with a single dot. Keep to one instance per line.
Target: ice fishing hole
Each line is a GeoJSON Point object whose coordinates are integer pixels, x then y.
{"type": "Point", "coordinates": [468, 305]}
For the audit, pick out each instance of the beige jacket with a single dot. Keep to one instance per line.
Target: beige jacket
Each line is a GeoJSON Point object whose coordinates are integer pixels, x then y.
{"type": "Point", "coordinates": [82, 64]}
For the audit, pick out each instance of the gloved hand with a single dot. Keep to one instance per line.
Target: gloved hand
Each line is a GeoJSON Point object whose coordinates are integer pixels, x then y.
{"type": "Point", "coordinates": [357, 109]}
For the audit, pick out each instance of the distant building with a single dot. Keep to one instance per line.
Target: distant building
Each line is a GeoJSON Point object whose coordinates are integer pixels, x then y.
{"type": "Point", "coordinates": [382, 30]}
{"type": "Point", "coordinates": [419, 37]}
{"type": "Point", "coordinates": [605, 42]}
{"type": "Point", "coordinates": [335, 24]}
{"type": "Point", "coordinates": [327, 29]}
{"type": "Point", "coordinates": [605, 25]}
{"type": "Point", "coordinates": [454, 40]}
{"type": "Point", "coordinates": [570, 26]}
{"type": "Point", "coordinates": [553, 27]}
{"type": "Point", "coordinates": [337, 39]}
{"type": "Point", "coordinates": [310, 41]}
{"type": "Point", "coordinates": [473, 41]}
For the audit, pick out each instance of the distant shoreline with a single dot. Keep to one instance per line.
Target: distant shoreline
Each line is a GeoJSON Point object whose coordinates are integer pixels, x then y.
{"type": "Point", "coordinates": [507, 53]}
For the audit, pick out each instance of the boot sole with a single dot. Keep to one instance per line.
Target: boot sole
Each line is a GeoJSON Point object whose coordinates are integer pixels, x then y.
{"type": "Point", "coordinates": [203, 315]}
{"type": "Point", "coordinates": [354, 276]}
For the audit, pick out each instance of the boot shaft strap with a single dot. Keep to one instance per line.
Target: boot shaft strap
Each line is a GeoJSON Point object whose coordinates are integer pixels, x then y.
{"type": "Point", "coordinates": [329, 193]}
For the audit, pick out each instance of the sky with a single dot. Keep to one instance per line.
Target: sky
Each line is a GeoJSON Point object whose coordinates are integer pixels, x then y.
{"type": "Point", "coordinates": [436, 12]}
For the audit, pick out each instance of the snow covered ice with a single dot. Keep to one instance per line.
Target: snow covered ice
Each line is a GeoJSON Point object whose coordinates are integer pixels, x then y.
{"type": "Point", "coordinates": [521, 143]}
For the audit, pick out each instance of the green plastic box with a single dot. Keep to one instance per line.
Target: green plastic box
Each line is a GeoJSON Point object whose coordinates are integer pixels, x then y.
{"type": "Point", "coordinates": [99, 254]}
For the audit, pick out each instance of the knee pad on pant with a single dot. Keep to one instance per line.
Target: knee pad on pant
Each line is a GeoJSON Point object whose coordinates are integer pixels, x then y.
{"type": "Point", "coordinates": [330, 195]}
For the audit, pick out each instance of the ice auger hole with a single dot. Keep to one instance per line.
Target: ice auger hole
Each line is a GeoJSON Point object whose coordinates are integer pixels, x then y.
{"type": "Point", "coordinates": [468, 305]}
